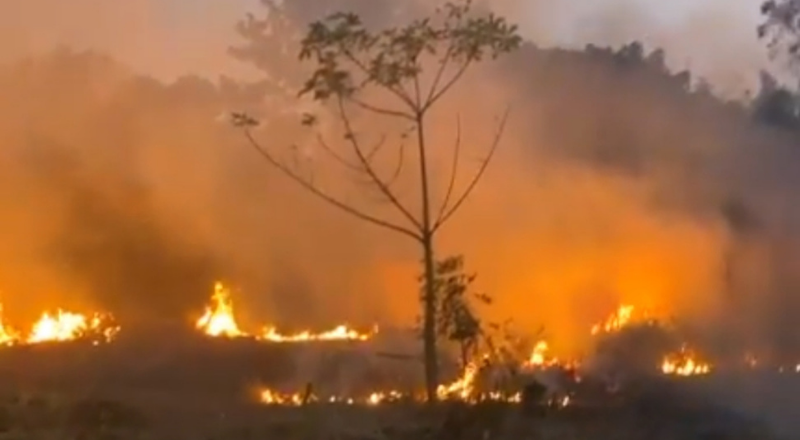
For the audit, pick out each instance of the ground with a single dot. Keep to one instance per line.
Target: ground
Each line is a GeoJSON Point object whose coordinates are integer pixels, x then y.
{"type": "Point", "coordinates": [201, 390]}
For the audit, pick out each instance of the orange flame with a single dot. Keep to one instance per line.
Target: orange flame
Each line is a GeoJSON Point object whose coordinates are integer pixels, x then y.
{"type": "Point", "coordinates": [684, 363]}
{"type": "Point", "coordinates": [60, 326]}
{"type": "Point", "coordinates": [8, 335]}
{"type": "Point", "coordinates": [67, 326]}
{"type": "Point", "coordinates": [619, 319]}
{"type": "Point", "coordinates": [339, 333]}
{"type": "Point", "coordinates": [219, 321]}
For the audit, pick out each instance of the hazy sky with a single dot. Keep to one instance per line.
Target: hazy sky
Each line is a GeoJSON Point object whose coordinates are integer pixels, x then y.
{"type": "Point", "coordinates": [172, 37]}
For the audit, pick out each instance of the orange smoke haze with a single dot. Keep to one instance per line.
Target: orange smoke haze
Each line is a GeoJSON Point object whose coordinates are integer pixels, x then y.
{"type": "Point", "coordinates": [121, 191]}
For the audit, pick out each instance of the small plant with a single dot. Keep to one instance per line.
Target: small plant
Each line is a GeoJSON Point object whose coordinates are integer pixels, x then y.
{"type": "Point", "coordinates": [457, 320]}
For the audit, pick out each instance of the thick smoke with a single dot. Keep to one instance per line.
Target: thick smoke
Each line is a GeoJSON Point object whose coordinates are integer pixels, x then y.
{"type": "Point", "coordinates": [129, 192]}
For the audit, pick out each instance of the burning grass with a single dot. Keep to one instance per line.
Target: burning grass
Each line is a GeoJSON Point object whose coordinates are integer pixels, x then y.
{"type": "Point", "coordinates": [207, 377]}
{"type": "Point", "coordinates": [60, 326]}
{"type": "Point", "coordinates": [222, 349]}
{"type": "Point", "coordinates": [219, 320]}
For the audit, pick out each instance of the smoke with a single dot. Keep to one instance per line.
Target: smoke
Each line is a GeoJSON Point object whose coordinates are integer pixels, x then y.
{"type": "Point", "coordinates": [125, 190]}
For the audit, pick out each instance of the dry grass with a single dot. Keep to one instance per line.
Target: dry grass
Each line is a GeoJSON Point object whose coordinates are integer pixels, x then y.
{"type": "Point", "coordinates": [175, 418]}
{"type": "Point", "coordinates": [200, 392]}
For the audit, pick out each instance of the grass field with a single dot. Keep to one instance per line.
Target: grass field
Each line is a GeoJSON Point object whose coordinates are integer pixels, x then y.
{"type": "Point", "coordinates": [197, 389]}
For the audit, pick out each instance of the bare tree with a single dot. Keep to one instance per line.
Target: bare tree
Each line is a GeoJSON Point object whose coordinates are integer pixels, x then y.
{"type": "Point", "coordinates": [352, 61]}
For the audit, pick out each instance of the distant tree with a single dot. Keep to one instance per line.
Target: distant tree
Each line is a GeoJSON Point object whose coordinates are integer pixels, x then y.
{"type": "Point", "coordinates": [350, 61]}
{"type": "Point", "coordinates": [781, 29]}
{"type": "Point", "coordinates": [775, 105]}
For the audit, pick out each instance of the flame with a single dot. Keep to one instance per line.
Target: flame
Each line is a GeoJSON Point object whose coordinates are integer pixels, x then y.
{"type": "Point", "coordinates": [60, 325]}
{"type": "Point", "coordinates": [619, 319]}
{"type": "Point", "coordinates": [684, 363]}
{"type": "Point", "coordinates": [271, 397]}
{"type": "Point", "coordinates": [538, 356]}
{"type": "Point", "coordinates": [463, 387]}
{"type": "Point", "coordinates": [219, 321]}
{"type": "Point", "coordinates": [67, 326]}
{"type": "Point", "coordinates": [339, 333]}
{"type": "Point", "coordinates": [8, 335]}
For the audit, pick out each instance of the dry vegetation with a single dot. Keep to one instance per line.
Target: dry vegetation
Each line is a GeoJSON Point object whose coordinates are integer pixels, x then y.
{"type": "Point", "coordinates": [674, 194]}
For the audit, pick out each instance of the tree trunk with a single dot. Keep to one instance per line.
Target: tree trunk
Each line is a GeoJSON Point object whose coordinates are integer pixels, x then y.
{"type": "Point", "coordinates": [429, 299]}
{"type": "Point", "coordinates": [429, 322]}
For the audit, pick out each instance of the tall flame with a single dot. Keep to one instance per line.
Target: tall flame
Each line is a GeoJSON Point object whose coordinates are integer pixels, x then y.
{"type": "Point", "coordinates": [219, 319]}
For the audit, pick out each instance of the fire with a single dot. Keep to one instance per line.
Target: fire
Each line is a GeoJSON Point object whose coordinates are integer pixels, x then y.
{"type": "Point", "coordinates": [219, 321]}
{"type": "Point", "coordinates": [463, 387]}
{"type": "Point", "coordinates": [619, 319]}
{"type": "Point", "coordinates": [67, 326]}
{"type": "Point", "coordinates": [8, 335]}
{"type": "Point", "coordinates": [539, 355]}
{"type": "Point", "coordinates": [684, 363]}
{"type": "Point", "coordinates": [60, 326]}
{"type": "Point", "coordinates": [272, 397]}
{"type": "Point", "coordinates": [339, 333]}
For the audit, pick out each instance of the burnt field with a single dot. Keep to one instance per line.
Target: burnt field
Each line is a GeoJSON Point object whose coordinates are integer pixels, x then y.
{"type": "Point", "coordinates": [192, 387]}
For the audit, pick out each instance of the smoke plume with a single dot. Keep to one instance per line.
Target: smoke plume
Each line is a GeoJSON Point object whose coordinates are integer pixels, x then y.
{"type": "Point", "coordinates": [124, 189]}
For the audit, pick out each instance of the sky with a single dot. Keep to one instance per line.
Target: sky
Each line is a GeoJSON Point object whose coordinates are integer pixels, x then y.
{"type": "Point", "coordinates": [169, 38]}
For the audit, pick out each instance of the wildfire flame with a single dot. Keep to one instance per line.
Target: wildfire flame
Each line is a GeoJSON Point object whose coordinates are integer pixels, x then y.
{"type": "Point", "coordinates": [684, 363]}
{"type": "Point", "coordinates": [8, 335]}
{"type": "Point", "coordinates": [60, 326]}
{"type": "Point", "coordinates": [461, 388]}
{"type": "Point", "coordinates": [538, 356]}
{"type": "Point", "coordinates": [619, 319]}
{"type": "Point", "coordinates": [67, 326]}
{"type": "Point", "coordinates": [339, 333]}
{"type": "Point", "coordinates": [219, 321]}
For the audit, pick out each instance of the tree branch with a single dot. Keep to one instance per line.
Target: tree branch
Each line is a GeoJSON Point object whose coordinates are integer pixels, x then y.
{"type": "Point", "coordinates": [399, 168]}
{"type": "Point", "coordinates": [346, 163]}
{"type": "Point", "coordinates": [380, 110]}
{"type": "Point", "coordinates": [367, 166]}
{"type": "Point", "coordinates": [324, 196]}
{"type": "Point", "coordinates": [417, 90]}
{"type": "Point", "coordinates": [451, 185]}
{"type": "Point", "coordinates": [495, 142]}
{"type": "Point", "coordinates": [443, 63]}
{"type": "Point", "coordinates": [336, 156]}
{"type": "Point", "coordinates": [438, 94]}
{"type": "Point", "coordinates": [399, 93]}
